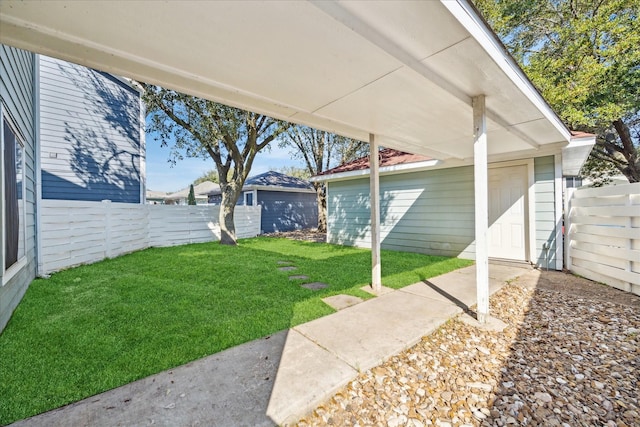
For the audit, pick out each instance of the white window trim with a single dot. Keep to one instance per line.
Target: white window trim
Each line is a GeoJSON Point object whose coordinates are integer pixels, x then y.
{"type": "Point", "coordinates": [9, 273]}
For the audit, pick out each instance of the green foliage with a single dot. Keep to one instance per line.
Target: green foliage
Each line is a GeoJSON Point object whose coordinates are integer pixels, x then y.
{"type": "Point", "coordinates": [191, 198]}
{"type": "Point", "coordinates": [212, 176]}
{"type": "Point", "coordinates": [93, 328]}
{"type": "Point", "coordinates": [584, 57]}
{"type": "Point", "coordinates": [302, 173]}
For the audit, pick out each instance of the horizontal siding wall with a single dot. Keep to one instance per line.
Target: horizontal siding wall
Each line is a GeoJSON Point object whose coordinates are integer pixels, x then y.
{"type": "Point", "coordinates": [90, 134]}
{"type": "Point", "coordinates": [17, 94]}
{"type": "Point", "coordinates": [76, 232]}
{"type": "Point", "coordinates": [287, 210]}
{"type": "Point", "coordinates": [603, 235]}
{"type": "Point", "coordinates": [428, 212]}
{"type": "Point", "coordinates": [545, 216]}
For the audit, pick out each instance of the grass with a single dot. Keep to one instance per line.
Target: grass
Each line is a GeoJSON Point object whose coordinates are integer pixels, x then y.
{"type": "Point", "coordinates": [97, 327]}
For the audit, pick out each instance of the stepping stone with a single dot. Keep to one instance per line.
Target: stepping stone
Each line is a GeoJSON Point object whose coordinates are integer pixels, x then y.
{"type": "Point", "coordinates": [383, 290]}
{"type": "Point", "coordinates": [315, 286]}
{"type": "Point", "coordinates": [300, 276]}
{"type": "Point", "coordinates": [341, 301]}
{"type": "Point", "coordinates": [284, 262]}
{"type": "Point", "coordinates": [290, 268]}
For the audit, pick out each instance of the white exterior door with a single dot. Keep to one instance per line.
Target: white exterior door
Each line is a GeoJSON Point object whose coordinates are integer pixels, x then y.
{"type": "Point", "coordinates": [507, 212]}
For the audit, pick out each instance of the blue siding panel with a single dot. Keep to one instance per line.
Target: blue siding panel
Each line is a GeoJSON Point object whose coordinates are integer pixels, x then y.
{"type": "Point", "coordinates": [287, 211]}
{"type": "Point", "coordinates": [90, 134]}
{"type": "Point", "coordinates": [17, 85]}
{"type": "Point", "coordinates": [429, 212]}
{"type": "Point", "coordinates": [544, 169]}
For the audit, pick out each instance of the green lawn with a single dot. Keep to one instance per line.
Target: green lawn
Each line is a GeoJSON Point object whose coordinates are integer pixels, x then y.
{"type": "Point", "coordinates": [96, 327]}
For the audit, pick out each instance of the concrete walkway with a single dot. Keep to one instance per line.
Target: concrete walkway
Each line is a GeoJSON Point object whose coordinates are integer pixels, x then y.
{"type": "Point", "coordinates": [277, 380]}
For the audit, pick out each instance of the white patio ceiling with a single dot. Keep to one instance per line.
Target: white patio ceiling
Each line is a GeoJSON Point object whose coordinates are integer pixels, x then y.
{"type": "Point", "coordinates": [404, 71]}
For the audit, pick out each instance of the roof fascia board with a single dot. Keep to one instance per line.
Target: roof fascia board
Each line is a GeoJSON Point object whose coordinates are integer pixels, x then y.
{"type": "Point", "coordinates": [267, 188]}
{"type": "Point", "coordinates": [384, 170]}
{"type": "Point", "coordinates": [474, 24]}
{"type": "Point", "coordinates": [277, 188]}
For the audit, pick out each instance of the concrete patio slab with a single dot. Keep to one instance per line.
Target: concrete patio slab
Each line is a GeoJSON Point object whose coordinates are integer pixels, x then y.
{"type": "Point", "coordinates": [307, 375]}
{"type": "Point", "coordinates": [492, 323]}
{"type": "Point", "coordinates": [230, 388]}
{"type": "Point", "coordinates": [383, 290]}
{"type": "Point", "coordinates": [459, 286]}
{"type": "Point", "coordinates": [340, 302]}
{"type": "Point", "coordinates": [367, 334]}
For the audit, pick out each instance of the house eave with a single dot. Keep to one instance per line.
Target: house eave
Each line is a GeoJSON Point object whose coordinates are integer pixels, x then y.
{"type": "Point", "coordinates": [575, 154]}
{"type": "Point", "coordinates": [385, 170]}
{"type": "Point", "coordinates": [472, 20]}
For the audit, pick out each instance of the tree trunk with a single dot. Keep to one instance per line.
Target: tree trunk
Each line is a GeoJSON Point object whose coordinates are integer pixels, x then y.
{"type": "Point", "coordinates": [227, 225]}
{"type": "Point", "coordinates": [632, 169]}
{"type": "Point", "coordinates": [322, 208]}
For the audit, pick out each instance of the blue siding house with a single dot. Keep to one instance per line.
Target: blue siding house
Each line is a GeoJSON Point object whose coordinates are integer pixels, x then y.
{"type": "Point", "coordinates": [18, 178]}
{"type": "Point", "coordinates": [91, 134]}
{"type": "Point", "coordinates": [288, 203]}
{"type": "Point", "coordinates": [66, 132]}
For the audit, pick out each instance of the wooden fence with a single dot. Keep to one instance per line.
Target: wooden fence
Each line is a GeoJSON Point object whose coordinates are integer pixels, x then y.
{"type": "Point", "coordinates": [74, 233]}
{"type": "Point", "coordinates": [603, 235]}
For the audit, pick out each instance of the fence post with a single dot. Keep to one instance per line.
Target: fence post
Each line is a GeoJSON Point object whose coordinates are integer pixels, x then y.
{"type": "Point", "coordinates": [567, 227]}
{"type": "Point", "coordinates": [629, 225]}
{"type": "Point", "coordinates": [107, 228]}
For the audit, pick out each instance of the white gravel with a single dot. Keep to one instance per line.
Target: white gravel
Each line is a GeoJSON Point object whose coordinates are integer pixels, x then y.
{"type": "Point", "coordinates": [563, 360]}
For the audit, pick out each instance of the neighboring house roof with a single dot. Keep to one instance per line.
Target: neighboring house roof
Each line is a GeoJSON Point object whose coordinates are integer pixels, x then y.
{"type": "Point", "coordinates": [201, 190]}
{"type": "Point", "coordinates": [388, 157]}
{"type": "Point", "coordinates": [390, 161]}
{"type": "Point", "coordinates": [580, 134]}
{"type": "Point", "coordinates": [274, 181]}
{"type": "Point", "coordinates": [156, 194]}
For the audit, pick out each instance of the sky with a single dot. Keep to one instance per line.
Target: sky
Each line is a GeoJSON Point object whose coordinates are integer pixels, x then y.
{"type": "Point", "coordinates": [162, 176]}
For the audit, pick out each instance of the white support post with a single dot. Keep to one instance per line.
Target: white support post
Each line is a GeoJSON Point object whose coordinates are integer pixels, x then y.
{"type": "Point", "coordinates": [480, 180]}
{"type": "Point", "coordinates": [374, 180]}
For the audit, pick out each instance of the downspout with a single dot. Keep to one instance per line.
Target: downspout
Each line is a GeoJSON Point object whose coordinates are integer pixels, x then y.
{"type": "Point", "coordinates": [143, 149]}
{"type": "Point", "coordinates": [38, 168]}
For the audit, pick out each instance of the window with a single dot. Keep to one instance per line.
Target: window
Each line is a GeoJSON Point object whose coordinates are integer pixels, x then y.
{"type": "Point", "coordinates": [248, 199]}
{"type": "Point", "coordinates": [573, 181]}
{"type": "Point", "coordinates": [14, 218]}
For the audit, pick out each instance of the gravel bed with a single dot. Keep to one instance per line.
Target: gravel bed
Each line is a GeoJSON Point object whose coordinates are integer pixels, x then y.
{"type": "Point", "coordinates": [564, 360]}
{"type": "Point", "coordinates": [308, 235]}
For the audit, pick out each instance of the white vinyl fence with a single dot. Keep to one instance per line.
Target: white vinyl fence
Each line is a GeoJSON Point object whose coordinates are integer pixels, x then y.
{"type": "Point", "coordinates": [74, 233]}
{"type": "Point", "coordinates": [603, 235]}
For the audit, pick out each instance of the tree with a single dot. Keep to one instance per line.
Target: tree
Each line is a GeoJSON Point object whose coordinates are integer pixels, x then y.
{"type": "Point", "coordinates": [191, 199]}
{"type": "Point", "coordinates": [200, 128]}
{"type": "Point", "coordinates": [584, 57]}
{"type": "Point", "coordinates": [320, 150]}
{"type": "Point", "coordinates": [302, 173]}
{"type": "Point", "coordinates": [211, 175]}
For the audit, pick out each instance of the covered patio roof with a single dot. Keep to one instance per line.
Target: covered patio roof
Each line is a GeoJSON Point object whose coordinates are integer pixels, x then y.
{"type": "Point", "coordinates": [425, 77]}
{"type": "Point", "coordinates": [404, 71]}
